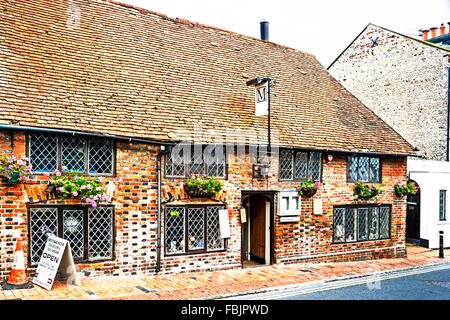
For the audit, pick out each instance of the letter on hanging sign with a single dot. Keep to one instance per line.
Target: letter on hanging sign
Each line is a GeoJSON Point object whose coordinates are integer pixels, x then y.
{"type": "Point", "coordinates": [262, 99]}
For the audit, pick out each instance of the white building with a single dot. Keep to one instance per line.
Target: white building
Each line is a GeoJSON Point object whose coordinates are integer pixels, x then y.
{"type": "Point", "coordinates": [405, 81]}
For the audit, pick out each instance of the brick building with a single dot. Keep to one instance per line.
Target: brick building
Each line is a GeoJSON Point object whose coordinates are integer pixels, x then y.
{"type": "Point", "coordinates": [111, 90]}
{"type": "Point", "coordinates": [405, 81]}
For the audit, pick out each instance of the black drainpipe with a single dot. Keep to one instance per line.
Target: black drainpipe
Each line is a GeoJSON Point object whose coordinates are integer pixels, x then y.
{"type": "Point", "coordinates": [158, 245]}
{"type": "Point", "coordinates": [448, 115]}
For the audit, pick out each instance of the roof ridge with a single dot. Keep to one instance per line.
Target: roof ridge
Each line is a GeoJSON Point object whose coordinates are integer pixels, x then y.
{"type": "Point", "coordinates": [198, 24]}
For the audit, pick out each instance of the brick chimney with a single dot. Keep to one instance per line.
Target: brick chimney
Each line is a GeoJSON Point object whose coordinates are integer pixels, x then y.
{"type": "Point", "coordinates": [442, 30]}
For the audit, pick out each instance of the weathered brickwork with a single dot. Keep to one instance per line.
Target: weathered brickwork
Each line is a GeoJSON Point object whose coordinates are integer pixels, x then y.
{"type": "Point", "coordinates": [404, 81]}
{"type": "Point", "coordinates": [136, 215]}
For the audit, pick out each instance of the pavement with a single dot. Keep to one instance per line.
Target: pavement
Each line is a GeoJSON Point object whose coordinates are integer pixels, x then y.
{"type": "Point", "coordinates": [223, 284]}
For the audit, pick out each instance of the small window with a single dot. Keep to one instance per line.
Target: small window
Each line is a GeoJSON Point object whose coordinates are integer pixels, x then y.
{"type": "Point", "coordinates": [442, 205]}
{"type": "Point", "coordinates": [192, 229]}
{"type": "Point", "coordinates": [73, 153]}
{"type": "Point", "coordinates": [299, 165]}
{"type": "Point", "coordinates": [289, 203]}
{"type": "Point", "coordinates": [88, 230]}
{"type": "Point", "coordinates": [365, 169]}
{"type": "Point", "coordinates": [351, 224]}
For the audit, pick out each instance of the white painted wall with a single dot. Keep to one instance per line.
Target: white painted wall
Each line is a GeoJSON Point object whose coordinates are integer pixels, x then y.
{"type": "Point", "coordinates": [432, 176]}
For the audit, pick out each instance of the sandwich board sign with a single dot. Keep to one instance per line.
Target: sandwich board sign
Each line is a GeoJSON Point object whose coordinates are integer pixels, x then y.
{"type": "Point", "coordinates": [56, 256]}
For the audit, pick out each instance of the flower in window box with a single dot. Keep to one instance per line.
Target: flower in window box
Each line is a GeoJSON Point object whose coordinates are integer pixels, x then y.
{"type": "Point", "coordinates": [364, 191]}
{"type": "Point", "coordinates": [202, 188]}
{"type": "Point", "coordinates": [406, 188]}
{"type": "Point", "coordinates": [15, 169]}
{"type": "Point", "coordinates": [308, 188]}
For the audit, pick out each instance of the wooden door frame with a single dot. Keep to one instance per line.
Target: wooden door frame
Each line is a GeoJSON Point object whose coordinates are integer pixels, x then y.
{"type": "Point", "coordinates": [270, 196]}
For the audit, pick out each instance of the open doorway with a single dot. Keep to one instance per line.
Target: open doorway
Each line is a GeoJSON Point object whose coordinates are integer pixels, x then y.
{"type": "Point", "coordinates": [257, 237]}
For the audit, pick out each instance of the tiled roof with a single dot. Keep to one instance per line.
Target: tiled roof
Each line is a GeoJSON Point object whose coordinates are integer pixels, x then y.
{"type": "Point", "coordinates": [131, 72]}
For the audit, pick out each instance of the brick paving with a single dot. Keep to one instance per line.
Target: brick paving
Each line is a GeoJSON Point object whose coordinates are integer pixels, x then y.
{"type": "Point", "coordinates": [201, 285]}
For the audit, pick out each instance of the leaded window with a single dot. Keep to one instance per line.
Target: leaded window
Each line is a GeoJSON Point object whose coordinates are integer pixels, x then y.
{"type": "Point", "coordinates": [366, 169]}
{"type": "Point", "coordinates": [88, 230]}
{"type": "Point", "coordinates": [204, 160]}
{"type": "Point", "coordinates": [299, 165]}
{"type": "Point", "coordinates": [71, 153]}
{"type": "Point", "coordinates": [192, 229]}
{"type": "Point", "coordinates": [361, 223]}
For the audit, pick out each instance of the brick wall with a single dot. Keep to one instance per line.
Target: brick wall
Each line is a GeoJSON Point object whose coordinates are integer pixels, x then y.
{"type": "Point", "coordinates": [136, 215]}
{"type": "Point", "coordinates": [404, 82]}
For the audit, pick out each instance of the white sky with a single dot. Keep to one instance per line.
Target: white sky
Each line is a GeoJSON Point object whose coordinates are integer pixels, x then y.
{"type": "Point", "coordinates": [323, 28]}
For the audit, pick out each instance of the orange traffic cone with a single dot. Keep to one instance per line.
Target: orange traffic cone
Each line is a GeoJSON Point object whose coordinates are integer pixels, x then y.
{"type": "Point", "coordinates": [18, 276]}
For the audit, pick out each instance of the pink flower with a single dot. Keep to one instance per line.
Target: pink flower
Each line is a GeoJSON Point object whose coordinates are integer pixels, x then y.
{"type": "Point", "coordinates": [98, 189]}
{"type": "Point", "coordinates": [60, 188]}
{"type": "Point", "coordinates": [64, 168]}
{"type": "Point", "coordinates": [47, 174]}
{"type": "Point", "coordinates": [75, 193]}
{"type": "Point", "coordinates": [58, 173]}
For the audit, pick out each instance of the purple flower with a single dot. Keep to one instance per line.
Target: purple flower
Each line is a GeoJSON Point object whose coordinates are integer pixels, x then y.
{"type": "Point", "coordinates": [75, 193]}
{"type": "Point", "coordinates": [98, 189]}
{"type": "Point", "coordinates": [60, 188]}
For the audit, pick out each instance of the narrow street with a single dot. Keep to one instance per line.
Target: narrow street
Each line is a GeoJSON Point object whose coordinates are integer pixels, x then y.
{"type": "Point", "coordinates": [426, 283]}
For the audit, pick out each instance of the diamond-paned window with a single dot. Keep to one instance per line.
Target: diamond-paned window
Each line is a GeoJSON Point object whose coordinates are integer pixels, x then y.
{"type": "Point", "coordinates": [73, 153]}
{"type": "Point", "coordinates": [42, 220]}
{"type": "Point", "coordinates": [361, 223]}
{"type": "Point", "coordinates": [366, 169]}
{"type": "Point", "coordinates": [73, 231]}
{"type": "Point", "coordinates": [48, 152]}
{"type": "Point", "coordinates": [88, 230]}
{"type": "Point", "coordinates": [100, 156]}
{"type": "Point", "coordinates": [43, 152]}
{"type": "Point", "coordinates": [207, 160]}
{"type": "Point", "coordinates": [299, 165]}
{"type": "Point", "coordinates": [192, 229]}
{"type": "Point", "coordinates": [100, 221]}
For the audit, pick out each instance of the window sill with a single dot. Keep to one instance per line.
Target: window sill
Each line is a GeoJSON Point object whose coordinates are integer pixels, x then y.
{"type": "Point", "coordinates": [200, 252]}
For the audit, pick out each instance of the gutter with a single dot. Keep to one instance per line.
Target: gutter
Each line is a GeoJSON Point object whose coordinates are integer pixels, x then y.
{"type": "Point", "coordinates": [81, 133]}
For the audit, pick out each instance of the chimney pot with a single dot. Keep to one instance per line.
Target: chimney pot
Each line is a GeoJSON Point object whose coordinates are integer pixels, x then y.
{"type": "Point", "coordinates": [264, 29]}
{"type": "Point", "coordinates": [433, 32]}
{"type": "Point", "coordinates": [442, 30]}
{"type": "Point", "coordinates": [448, 27]}
{"type": "Point", "coordinates": [425, 34]}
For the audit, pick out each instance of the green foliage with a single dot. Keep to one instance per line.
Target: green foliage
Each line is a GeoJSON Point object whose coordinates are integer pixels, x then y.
{"type": "Point", "coordinates": [364, 191]}
{"type": "Point", "coordinates": [15, 169]}
{"type": "Point", "coordinates": [70, 184]}
{"type": "Point", "coordinates": [209, 186]}
{"type": "Point", "coordinates": [403, 189]}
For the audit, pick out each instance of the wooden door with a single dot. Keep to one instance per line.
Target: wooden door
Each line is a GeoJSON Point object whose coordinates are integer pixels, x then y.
{"type": "Point", "coordinates": [258, 229]}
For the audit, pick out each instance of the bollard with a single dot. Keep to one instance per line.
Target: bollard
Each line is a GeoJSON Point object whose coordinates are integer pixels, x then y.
{"type": "Point", "coordinates": [441, 244]}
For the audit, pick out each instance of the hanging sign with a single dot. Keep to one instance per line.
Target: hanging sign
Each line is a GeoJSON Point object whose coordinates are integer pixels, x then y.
{"type": "Point", "coordinates": [243, 215]}
{"type": "Point", "coordinates": [262, 99]}
{"type": "Point", "coordinates": [224, 224]}
{"type": "Point", "coordinates": [56, 256]}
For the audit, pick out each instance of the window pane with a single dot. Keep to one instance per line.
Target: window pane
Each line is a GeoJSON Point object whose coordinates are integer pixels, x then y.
{"type": "Point", "coordinates": [100, 156]}
{"type": "Point", "coordinates": [285, 203]}
{"type": "Point", "coordinates": [374, 172]}
{"type": "Point", "coordinates": [100, 241]}
{"type": "Point", "coordinates": [338, 224]}
{"type": "Point", "coordinates": [41, 218]}
{"type": "Point", "coordinates": [350, 224]}
{"type": "Point", "coordinates": [215, 242]}
{"type": "Point", "coordinates": [315, 164]}
{"type": "Point", "coordinates": [196, 228]}
{"type": "Point", "coordinates": [296, 203]}
{"type": "Point", "coordinates": [196, 165]}
{"type": "Point", "coordinates": [363, 168]}
{"type": "Point", "coordinates": [175, 164]}
{"type": "Point", "coordinates": [73, 231]}
{"type": "Point", "coordinates": [353, 168]}
{"type": "Point", "coordinates": [73, 153]}
{"type": "Point", "coordinates": [43, 152]}
{"type": "Point", "coordinates": [301, 164]}
{"type": "Point", "coordinates": [442, 204]}
{"type": "Point", "coordinates": [285, 167]}
{"type": "Point", "coordinates": [215, 161]}
{"type": "Point", "coordinates": [174, 233]}
{"type": "Point", "coordinates": [384, 222]}
{"type": "Point", "coordinates": [362, 223]}
{"type": "Point", "coordinates": [373, 223]}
